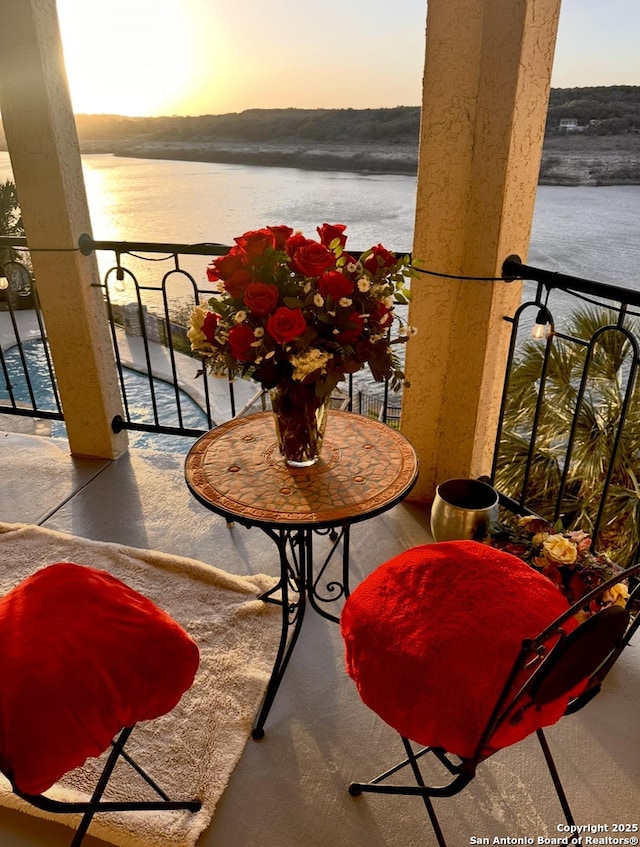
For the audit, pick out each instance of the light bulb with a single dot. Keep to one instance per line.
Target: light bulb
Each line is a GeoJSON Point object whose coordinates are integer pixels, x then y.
{"type": "Point", "coordinates": [540, 331]}
{"type": "Point", "coordinates": [120, 284]}
{"type": "Point", "coordinates": [542, 326]}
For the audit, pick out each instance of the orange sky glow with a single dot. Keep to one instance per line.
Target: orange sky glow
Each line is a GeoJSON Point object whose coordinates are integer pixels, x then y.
{"type": "Point", "coordinates": [193, 57]}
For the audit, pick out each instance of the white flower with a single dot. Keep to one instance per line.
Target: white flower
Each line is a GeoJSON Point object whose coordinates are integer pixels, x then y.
{"type": "Point", "coordinates": [309, 361]}
{"type": "Point", "coordinates": [270, 354]}
{"type": "Point", "coordinates": [307, 287]}
{"type": "Point", "coordinates": [240, 317]}
{"type": "Point", "coordinates": [258, 331]}
{"type": "Point", "coordinates": [352, 267]}
{"type": "Point", "coordinates": [318, 300]}
{"type": "Point", "coordinates": [364, 284]}
{"type": "Point", "coordinates": [345, 301]}
{"type": "Point", "coordinates": [389, 302]}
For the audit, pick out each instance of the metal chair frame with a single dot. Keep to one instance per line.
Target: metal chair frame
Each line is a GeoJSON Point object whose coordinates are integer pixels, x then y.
{"type": "Point", "coordinates": [547, 659]}
{"type": "Point", "coordinates": [95, 805]}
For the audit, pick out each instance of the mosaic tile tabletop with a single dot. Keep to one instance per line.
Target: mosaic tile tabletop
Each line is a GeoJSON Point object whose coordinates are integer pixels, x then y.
{"type": "Point", "coordinates": [237, 470]}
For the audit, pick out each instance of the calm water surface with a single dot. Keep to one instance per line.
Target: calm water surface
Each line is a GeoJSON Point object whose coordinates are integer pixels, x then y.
{"type": "Point", "coordinates": [584, 231]}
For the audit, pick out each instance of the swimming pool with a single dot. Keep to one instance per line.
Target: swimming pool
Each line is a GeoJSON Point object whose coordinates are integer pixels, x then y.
{"type": "Point", "coordinates": [138, 398]}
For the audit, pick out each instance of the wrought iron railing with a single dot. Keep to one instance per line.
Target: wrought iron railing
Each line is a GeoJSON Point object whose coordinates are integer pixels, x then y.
{"type": "Point", "coordinates": [568, 440]}
{"type": "Point", "coordinates": [149, 288]}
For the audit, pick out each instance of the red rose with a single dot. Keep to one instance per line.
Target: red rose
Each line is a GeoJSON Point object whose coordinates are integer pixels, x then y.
{"type": "Point", "coordinates": [334, 284]}
{"type": "Point", "coordinates": [254, 243]}
{"type": "Point", "coordinates": [352, 333]}
{"type": "Point", "coordinates": [225, 266]}
{"type": "Point", "coordinates": [311, 258]}
{"type": "Point", "coordinates": [281, 234]}
{"type": "Point", "coordinates": [329, 233]}
{"type": "Point", "coordinates": [379, 257]}
{"type": "Point", "coordinates": [237, 283]}
{"type": "Point", "coordinates": [293, 242]}
{"type": "Point", "coordinates": [381, 315]}
{"type": "Point", "coordinates": [209, 326]}
{"type": "Point", "coordinates": [286, 324]}
{"type": "Point", "coordinates": [240, 341]}
{"type": "Point", "coordinates": [261, 298]}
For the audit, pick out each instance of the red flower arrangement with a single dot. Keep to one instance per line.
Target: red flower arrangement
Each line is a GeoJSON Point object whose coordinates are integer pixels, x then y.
{"type": "Point", "coordinates": [292, 308]}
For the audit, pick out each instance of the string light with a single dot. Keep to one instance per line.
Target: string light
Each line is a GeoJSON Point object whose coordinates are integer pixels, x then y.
{"type": "Point", "coordinates": [542, 326]}
{"type": "Point", "coordinates": [120, 284]}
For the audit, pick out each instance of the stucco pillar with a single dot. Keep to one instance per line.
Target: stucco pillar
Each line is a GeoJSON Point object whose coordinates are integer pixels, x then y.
{"type": "Point", "coordinates": [486, 87]}
{"type": "Point", "coordinates": [45, 157]}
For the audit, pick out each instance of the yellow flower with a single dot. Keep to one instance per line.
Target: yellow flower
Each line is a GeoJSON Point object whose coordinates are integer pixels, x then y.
{"type": "Point", "coordinates": [560, 549]}
{"type": "Point", "coordinates": [540, 538]}
{"type": "Point", "coordinates": [617, 595]}
{"type": "Point", "coordinates": [526, 519]}
{"type": "Point", "coordinates": [195, 334]}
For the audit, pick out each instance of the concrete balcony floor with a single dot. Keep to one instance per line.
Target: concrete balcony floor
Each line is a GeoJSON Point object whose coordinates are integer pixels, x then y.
{"type": "Point", "coordinates": [289, 790]}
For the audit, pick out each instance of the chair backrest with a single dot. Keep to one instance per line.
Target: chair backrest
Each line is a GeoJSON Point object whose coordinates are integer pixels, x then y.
{"type": "Point", "coordinates": [569, 659]}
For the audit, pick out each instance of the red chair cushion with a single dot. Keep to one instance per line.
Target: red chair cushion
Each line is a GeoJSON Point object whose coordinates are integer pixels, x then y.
{"type": "Point", "coordinates": [432, 635]}
{"type": "Point", "coordinates": [82, 655]}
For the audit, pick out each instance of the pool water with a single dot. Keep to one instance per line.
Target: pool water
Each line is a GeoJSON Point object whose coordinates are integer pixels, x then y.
{"type": "Point", "coordinates": [138, 398]}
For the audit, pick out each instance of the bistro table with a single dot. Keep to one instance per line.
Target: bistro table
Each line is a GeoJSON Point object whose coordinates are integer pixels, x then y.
{"type": "Point", "coordinates": [236, 470]}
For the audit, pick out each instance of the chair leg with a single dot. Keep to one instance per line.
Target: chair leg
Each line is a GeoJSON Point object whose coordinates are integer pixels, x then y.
{"type": "Point", "coordinates": [378, 786]}
{"type": "Point", "coordinates": [562, 797]}
{"type": "Point", "coordinates": [100, 787]}
{"type": "Point", "coordinates": [435, 823]}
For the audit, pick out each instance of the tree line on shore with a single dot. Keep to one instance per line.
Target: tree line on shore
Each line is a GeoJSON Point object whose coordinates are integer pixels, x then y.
{"type": "Point", "coordinates": [600, 110]}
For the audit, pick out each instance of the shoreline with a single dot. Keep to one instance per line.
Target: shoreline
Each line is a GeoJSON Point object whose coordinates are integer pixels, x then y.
{"type": "Point", "coordinates": [566, 161]}
{"type": "Point", "coordinates": [399, 159]}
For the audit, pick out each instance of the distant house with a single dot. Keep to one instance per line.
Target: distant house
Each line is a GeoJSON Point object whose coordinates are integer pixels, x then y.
{"type": "Point", "coordinates": [570, 125]}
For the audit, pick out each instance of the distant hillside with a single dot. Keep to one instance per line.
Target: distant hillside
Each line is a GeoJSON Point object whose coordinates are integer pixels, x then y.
{"type": "Point", "coordinates": [389, 126]}
{"type": "Point", "coordinates": [600, 110]}
{"type": "Point", "coordinates": [592, 137]}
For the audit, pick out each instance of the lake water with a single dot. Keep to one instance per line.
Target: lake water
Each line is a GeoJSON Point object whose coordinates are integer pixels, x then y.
{"type": "Point", "coordinates": [583, 231]}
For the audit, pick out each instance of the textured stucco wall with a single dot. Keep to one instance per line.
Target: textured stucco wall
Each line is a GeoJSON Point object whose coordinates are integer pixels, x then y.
{"type": "Point", "coordinates": [487, 77]}
{"type": "Point", "coordinates": [43, 146]}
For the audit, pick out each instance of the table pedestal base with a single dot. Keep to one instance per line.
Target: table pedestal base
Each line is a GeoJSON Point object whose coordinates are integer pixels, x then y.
{"type": "Point", "coordinates": [298, 585]}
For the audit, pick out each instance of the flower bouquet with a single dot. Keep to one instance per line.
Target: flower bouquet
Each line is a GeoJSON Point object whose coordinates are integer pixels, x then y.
{"type": "Point", "coordinates": [298, 315]}
{"type": "Point", "coordinates": [566, 558]}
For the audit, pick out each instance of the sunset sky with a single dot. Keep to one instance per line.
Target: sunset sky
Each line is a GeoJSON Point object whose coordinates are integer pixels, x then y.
{"type": "Point", "coordinates": [193, 57]}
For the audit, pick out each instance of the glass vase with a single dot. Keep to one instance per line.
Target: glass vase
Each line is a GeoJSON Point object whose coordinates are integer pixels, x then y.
{"type": "Point", "coordinates": [300, 419]}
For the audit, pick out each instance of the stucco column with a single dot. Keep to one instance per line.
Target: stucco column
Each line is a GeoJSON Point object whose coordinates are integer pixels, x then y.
{"type": "Point", "coordinates": [45, 157]}
{"type": "Point", "coordinates": [486, 88]}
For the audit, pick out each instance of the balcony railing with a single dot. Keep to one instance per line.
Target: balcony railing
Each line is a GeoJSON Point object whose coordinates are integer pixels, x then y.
{"type": "Point", "coordinates": [149, 290]}
{"type": "Point", "coordinates": [568, 440]}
